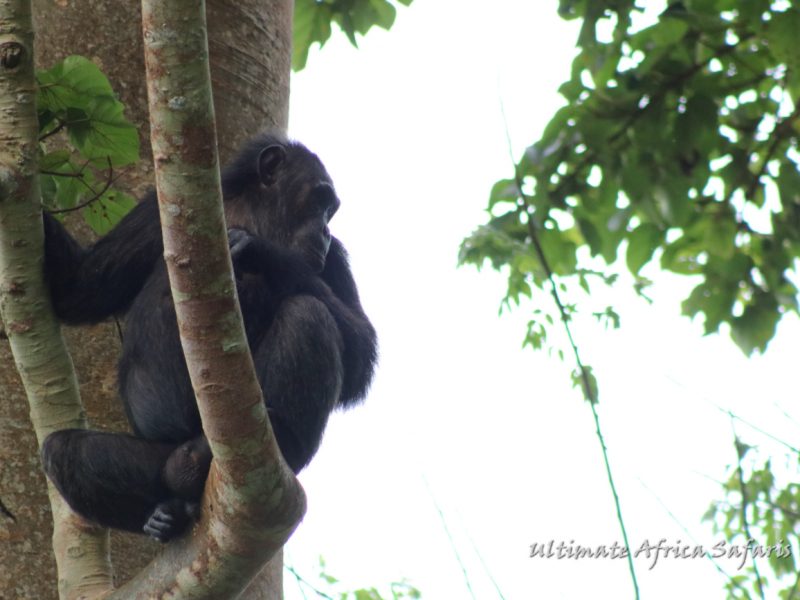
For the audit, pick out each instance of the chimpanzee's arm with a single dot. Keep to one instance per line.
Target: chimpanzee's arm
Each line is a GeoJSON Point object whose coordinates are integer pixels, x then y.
{"type": "Point", "coordinates": [358, 334]}
{"type": "Point", "coordinates": [286, 274]}
{"type": "Point", "coordinates": [89, 285]}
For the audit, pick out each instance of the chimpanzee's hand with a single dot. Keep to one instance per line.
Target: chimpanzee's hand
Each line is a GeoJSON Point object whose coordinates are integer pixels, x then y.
{"type": "Point", "coordinates": [237, 241]}
{"type": "Point", "coordinates": [284, 270]}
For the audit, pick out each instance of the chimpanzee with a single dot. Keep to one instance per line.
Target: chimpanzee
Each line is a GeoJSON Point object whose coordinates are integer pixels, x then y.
{"type": "Point", "coordinates": [313, 347]}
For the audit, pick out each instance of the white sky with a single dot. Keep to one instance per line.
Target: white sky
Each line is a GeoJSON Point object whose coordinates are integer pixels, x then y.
{"type": "Point", "coordinates": [411, 130]}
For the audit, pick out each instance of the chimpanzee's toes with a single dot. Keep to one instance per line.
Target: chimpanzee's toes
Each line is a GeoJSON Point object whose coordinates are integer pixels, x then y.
{"type": "Point", "coordinates": [168, 520]}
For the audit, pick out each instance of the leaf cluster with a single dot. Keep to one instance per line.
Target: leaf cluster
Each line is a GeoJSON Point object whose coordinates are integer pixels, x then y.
{"type": "Point", "coordinates": [331, 588]}
{"type": "Point", "coordinates": [75, 100]}
{"type": "Point", "coordinates": [313, 20]}
{"type": "Point", "coordinates": [761, 507]}
{"type": "Point", "coordinates": [677, 146]}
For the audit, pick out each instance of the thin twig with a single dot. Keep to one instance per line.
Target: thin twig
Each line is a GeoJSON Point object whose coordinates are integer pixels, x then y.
{"type": "Point", "coordinates": [300, 579]}
{"type": "Point", "coordinates": [485, 566]}
{"type": "Point", "coordinates": [688, 533]}
{"type": "Point", "coordinates": [449, 538]}
{"type": "Point", "coordinates": [733, 415]}
{"type": "Point", "coordinates": [97, 195]}
{"type": "Point", "coordinates": [743, 492]}
{"type": "Point", "coordinates": [61, 125]}
{"type": "Point", "coordinates": [525, 207]}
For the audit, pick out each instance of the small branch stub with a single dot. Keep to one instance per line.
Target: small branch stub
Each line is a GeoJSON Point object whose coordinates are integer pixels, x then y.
{"type": "Point", "coordinates": [12, 55]}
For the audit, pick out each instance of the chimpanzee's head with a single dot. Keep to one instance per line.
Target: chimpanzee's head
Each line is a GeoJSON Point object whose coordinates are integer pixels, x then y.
{"type": "Point", "coordinates": [280, 190]}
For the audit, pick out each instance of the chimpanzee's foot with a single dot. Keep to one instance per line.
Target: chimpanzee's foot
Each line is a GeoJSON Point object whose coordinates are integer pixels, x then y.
{"type": "Point", "coordinates": [170, 519]}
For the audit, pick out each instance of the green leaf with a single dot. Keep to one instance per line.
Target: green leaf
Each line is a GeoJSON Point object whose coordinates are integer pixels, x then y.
{"type": "Point", "coordinates": [591, 234]}
{"type": "Point", "coordinates": [55, 161]}
{"type": "Point", "coordinates": [716, 302]}
{"type": "Point", "coordinates": [74, 82]}
{"type": "Point", "coordinates": [696, 128]}
{"type": "Point", "coordinates": [559, 251]}
{"type": "Point", "coordinates": [75, 93]}
{"type": "Point", "coordinates": [383, 13]}
{"type": "Point", "coordinates": [312, 23]}
{"type": "Point", "coordinates": [47, 186]}
{"type": "Point", "coordinates": [720, 236]}
{"type": "Point", "coordinates": [103, 214]}
{"type": "Point", "coordinates": [781, 36]}
{"type": "Point", "coordinates": [313, 19]}
{"type": "Point", "coordinates": [580, 381]}
{"type": "Point", "coordinates": [756, 327]}
{"type": "Point", "coordinates": [536, 335]}
{"type": "Point", "coordinates": [67, 190]}
{"type": "Point", "coordinates": [682, 256]}
{"type": "Point", "coordinates": [504, 190]}
{"type": "Point", "coordinates": [571, 9]}
{"type": "Point", "coordinates": [105, 134]}
{"type": "Point", "coordinates": [642, 243]}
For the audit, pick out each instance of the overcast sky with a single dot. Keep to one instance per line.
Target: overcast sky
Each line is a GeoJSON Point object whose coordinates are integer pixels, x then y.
{"type": "Point", "coordinates": [411, 129]}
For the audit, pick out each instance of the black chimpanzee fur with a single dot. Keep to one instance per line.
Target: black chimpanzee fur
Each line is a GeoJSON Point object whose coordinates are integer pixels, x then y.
{"type": "Point", "coordinates": [314, 348]}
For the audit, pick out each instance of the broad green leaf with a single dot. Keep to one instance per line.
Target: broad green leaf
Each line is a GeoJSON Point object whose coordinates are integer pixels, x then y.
{"type": "Point", "coordinates": [642, 243]}
{"type": "Point", "coordinates": [756, 327]}
{"type": "Point", "coordinates": [720, 235]}
{"type": "Point", "coordinates": [384, 13]}
{"type": "Point", "coordinates": [105, 134]}
{"type": "Point", "coordinates": [75, 93]}
{"type": "Point", "coordinates": [591, 234]}
{"type": "Point", "coordinates": [69, 191]}
{"type": "Point", "coordinates": [74, 82]}
{"type": "Point", "coordinates": [504, 191]}
{"type": "Point", "coordinates": [312, 23]}
{"type": "Point", "coordinates": [781, 36]}
{"type": "Point", "coordinates": [696, 127]}
{"type": "Point", "coordinates": [789, 186]}
{"type": "Point", "coordinates": [559, 251]}
{"type": "Point", "coordinates": [55, 161]}
{"type": "Point", "coordinates": [715, 302]}
{"type": "Point", "coordinates": [570, 9]}
{"type": "Point", "coordinates": [313, 19]}
{"type": "Point", "coordinates": [63, 191]}
{"type": "Point", "coordinates": [104, 213]}
{"type": "Point", "coordinates": [682, 256]}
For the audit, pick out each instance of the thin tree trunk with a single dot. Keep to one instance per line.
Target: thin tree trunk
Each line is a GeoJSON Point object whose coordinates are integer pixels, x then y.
{"type": "Point", "coordinates": [34, 334]}
{"type": "Point", "coordinates": [250, 48]}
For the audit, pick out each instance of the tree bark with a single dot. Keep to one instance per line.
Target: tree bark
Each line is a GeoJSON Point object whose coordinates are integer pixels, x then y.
{"type": "Point", "coordinates": [250, 51]}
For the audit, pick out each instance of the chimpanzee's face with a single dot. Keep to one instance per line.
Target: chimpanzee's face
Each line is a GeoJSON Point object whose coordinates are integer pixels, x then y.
{"type": "Point", "coordinates": [299, 201]}
{"type": "Point", "coordinates": [311, 236]}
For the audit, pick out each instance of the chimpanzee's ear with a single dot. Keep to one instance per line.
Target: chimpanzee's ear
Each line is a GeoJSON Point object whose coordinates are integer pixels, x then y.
{"type": "Point", "coordinates": [269, 159]}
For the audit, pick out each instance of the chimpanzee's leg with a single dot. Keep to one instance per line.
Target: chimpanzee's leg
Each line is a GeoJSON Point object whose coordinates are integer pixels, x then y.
{"type": "Point", "coordinates": [112, 479]}
{"type": "Point", "coordinates": [299, 366]}
{"type": "Point", "coordinates": [184, 474]}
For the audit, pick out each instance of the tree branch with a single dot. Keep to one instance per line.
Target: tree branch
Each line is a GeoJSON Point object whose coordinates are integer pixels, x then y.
{"type": "Point", "coordinates": [33, 332]}
{"type": "Point", "coordinates": [252, 501]}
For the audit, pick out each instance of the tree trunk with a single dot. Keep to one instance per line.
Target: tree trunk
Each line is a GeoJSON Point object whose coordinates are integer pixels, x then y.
{"type": "Point", "coordinates": [250, 47]}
